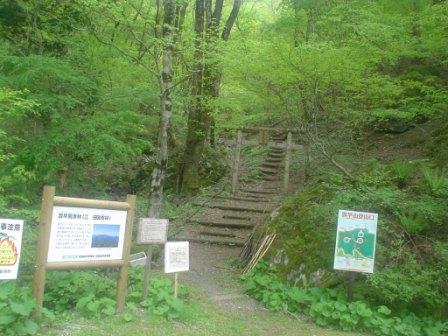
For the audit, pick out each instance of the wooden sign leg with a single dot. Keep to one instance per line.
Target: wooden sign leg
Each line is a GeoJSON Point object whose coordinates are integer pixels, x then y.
{"type": "Point", "coordinates": [122, 281]}
{"type": "Point", "coordinates": [46, 215]}
{"type": "Point", "coordinates": [176, 284]}
{"type": "Point", "coordinates": [351, 286]}
{"type": "Point", "coordinates": [147, 272]}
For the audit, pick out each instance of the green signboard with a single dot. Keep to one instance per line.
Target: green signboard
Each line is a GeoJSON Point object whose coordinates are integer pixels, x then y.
{"type": "Point", "coordinates": [355, 241]}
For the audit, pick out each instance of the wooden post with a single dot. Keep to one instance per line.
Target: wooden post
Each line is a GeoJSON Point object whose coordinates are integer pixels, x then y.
{"type": "Point", "coordinates": [236, 163]}
{"type": "Point", "coordinates": [350, 286]}
{"type": "Point", "coordinates": [263, 137]}
{"type": "Point", "coordinates": [122, 281]}
{"type": "Point", "coordinates": [287, 162]}
{"type": "Point", "coordinates": [176, 284]}
{"type": "Point", "coordinates": [147, 272]}
{"type": "Point", "coordinates": [307, 162]}
{"type": "Point", "coordinates": [42, 246]}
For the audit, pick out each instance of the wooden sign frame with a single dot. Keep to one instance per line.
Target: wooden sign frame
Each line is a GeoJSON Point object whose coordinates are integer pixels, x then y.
{"type": "Point", "coordinates": [49, 200]}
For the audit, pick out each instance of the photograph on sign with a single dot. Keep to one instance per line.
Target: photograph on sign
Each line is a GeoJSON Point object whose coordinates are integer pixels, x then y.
{"type": "Point", "coordinates": [355, 241]}
{"type": "Point", "coordinates": [85, 234]}
{"type": "Point", "coordinates": [152, 231]}
{"type": "Point", "coordinates": [177, 257]}
{"type": "Point", "coordinates": [10, 245]}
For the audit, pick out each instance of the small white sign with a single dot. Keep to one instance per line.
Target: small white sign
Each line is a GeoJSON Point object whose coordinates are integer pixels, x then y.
{"type": "Point", "coordinates": [355, 241]}
{"type": "Point", "coordinates": [152, 231]}
{"type": "Point", "coordinates": [85, 234]}
{"type": "Point", "coordinates": [177, 257]}
{"type": "Point", "coordinates": [10, 245]}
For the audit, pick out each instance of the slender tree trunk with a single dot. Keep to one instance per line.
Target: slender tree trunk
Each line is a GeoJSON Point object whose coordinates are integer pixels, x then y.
{"type": "Point", "coordinates": [159, 171]}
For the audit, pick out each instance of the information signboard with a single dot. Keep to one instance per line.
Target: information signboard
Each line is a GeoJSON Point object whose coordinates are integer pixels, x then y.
{"type": "Point", "coordinates": [86, 234]}
{"type": "Point", "coordinates": [177, 257]}
{"type": "Point", "coordinates": [355, 241]}
{"type": "Point", "coordinates": [152, 231]}
{"type": "Point", "coordinates": [10, 245]}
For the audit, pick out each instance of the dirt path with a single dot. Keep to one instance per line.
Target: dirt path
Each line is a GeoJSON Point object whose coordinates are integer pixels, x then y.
{"type": "Point", "coordinates": [212, 272]}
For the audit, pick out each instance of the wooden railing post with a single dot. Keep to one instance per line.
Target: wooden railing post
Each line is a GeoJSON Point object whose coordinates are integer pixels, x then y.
{"type": "Point", "coordinates": [46, 214]}
{"type": "Point", "coordinates": [263, 137]}
{"type": "Point", "coordinates": [287, 162]}
{"type": "Point", "coordinates": [236, 162]}
{"type": "Point", "coordinates": [306, 174]}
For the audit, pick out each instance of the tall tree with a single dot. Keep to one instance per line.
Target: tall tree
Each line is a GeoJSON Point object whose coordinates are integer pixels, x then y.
{"type": "Point", "coordinates": [205, 83]}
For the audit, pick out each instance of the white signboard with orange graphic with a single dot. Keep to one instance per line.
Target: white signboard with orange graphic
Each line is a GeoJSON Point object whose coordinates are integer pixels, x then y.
{"type": "Point", "coordinates": [10, 244]}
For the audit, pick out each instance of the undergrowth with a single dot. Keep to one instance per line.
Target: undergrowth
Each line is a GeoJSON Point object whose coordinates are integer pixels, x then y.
{"type": "Point", "coordinates": [90, 293]}
{"type": "Point", "coordinates": [329, 307]}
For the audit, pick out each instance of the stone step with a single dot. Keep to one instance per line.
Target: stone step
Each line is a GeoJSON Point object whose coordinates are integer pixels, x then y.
{"type": "Point", "coordinates": [275, 156]}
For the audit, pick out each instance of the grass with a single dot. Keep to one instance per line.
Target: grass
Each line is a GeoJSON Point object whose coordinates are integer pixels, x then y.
{"type": "Point", "coordinates": [200, 318]}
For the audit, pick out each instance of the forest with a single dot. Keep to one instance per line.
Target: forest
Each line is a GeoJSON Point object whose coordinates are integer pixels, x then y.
{"type": "Point", "coordinates": [106, 98]}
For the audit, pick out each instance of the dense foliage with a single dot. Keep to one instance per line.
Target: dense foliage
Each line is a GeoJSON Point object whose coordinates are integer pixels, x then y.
{"type": "Point", "coordinates": [366, 81]}
{"type": "Point", "coordinates": [328, 307]}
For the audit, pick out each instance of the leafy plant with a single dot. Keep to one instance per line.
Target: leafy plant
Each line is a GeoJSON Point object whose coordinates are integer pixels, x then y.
{"type": "Point", "coordinates": [401, 170]}
{"type": "Point", "coordinates": [16, 307]}
{"type": "Point", "coordinates": [435, 180]}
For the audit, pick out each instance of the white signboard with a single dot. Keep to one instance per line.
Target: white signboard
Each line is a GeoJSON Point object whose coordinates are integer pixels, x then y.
{"type": "Point", "coordinates": [10, 245]}
{"type": "Point", "coordinates": [85, 234]}
{"type": "Point", "coordinates": [355, 241]}
{"type": "Point", "coordinates": [152, 231]}
{"type": "Point", "coordinates": [176, 257]}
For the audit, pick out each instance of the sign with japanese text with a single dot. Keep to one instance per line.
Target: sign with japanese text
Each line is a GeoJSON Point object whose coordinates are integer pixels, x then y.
{"type": "Point", "coordinates": [177, 257]}
{"type": "Point", "coordinates": [86, 234]}
{"type": "Point", "coordinates": [10, 245]}
{"type": "Point", "coordinates": [152, 231]}
{"type": "Point", "coordinates": [355, 241]}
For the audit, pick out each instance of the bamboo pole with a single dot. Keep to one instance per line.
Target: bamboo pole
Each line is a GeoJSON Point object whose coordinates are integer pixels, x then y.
{"type": "Point", "coordinates": [236, 162]}
{"type": "Point", "coordinates": [42, 246]}
{"type": "Point", "coordinates": [287, 163]}
{"type": "Point", "coordinates": [122, 280]}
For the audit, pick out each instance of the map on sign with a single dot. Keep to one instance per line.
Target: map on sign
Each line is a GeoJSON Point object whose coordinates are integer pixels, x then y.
{"type": "Point", "coordinates": [86, 234]}
{"type": "Point", "coordinates": [177, 257]}
{"type": "Point", "coordinates": [10, 246]}
{"type": "Point", "coordinates": [355, 241]}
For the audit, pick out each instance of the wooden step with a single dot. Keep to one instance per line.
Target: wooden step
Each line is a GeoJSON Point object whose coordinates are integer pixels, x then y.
{"type": "Point", "coordinates": [274, 165]}
{"type": "Point", "coordinates": [212, 240]}
{"type": "Point", "coordinates": [264, 192]}
{"type": "Point", "coordinates": [245, 199]}
{"type": "Point", "coordinates": [224, 224]}
{"type": "Point", "coordinates": [268, 171]}
{"type": "Point", "coordinates": [238, 208]}
{"type": "Point", "coordinates": [224, 232]}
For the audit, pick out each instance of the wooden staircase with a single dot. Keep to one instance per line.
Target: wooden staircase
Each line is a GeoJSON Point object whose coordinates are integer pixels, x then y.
{"type": "Point", "coordinates": [229, 220]}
